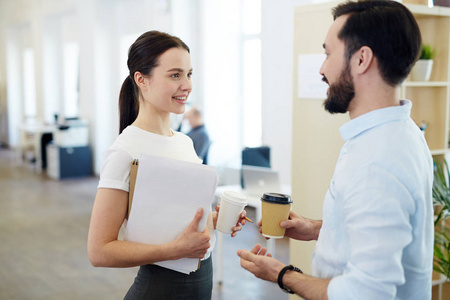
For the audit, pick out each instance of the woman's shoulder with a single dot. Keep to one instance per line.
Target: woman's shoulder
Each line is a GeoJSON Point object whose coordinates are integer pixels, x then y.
{"type": "Point", "coordinates": [122, 144]}
{"type": "Point", "coordinates": [132, 139]}
{"type": "Point", "coordinates": [182, 137]}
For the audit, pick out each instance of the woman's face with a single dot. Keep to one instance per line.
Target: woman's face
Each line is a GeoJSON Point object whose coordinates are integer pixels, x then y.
{"type": "Point", "coordinates": [168, 87]}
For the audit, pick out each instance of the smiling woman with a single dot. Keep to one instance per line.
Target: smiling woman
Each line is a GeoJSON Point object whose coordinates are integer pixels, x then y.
{"type": "Point", "coordinates": [167, 88]}
{"type": "Point", "coordinates": [159, 69]}
{"type": "Point", "coordinates": [159, 83]}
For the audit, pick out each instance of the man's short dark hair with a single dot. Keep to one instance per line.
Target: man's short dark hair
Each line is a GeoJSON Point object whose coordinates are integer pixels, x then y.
{"type": "Point", "coordinates": [388, 28]}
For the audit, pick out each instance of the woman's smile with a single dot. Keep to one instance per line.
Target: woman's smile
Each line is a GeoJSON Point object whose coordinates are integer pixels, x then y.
{"type": "Point", "coordinates": [180, 99]}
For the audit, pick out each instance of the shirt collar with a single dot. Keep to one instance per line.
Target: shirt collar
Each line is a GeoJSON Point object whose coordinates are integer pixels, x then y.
{"type": "Point", "coordinates": [374, 118]}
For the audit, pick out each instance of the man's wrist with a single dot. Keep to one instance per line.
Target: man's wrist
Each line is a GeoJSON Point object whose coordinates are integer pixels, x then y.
{"type": "Point", "coordinates": [311, 229]}
{"type": "Point", "coordinates": [317, 225]}
{"type": "Point", "coordinates": [281, 275]}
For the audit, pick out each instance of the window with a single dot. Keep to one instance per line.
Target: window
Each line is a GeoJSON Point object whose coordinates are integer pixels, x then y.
{"type": "Point", "coordinates": [232, 78]}
{"type": "Point", "coordinates": [251, 73]}
{"type": "Point", "coordinates": [29, 84]}
{"type": "Point", "coordinates": [71, 53]}
{"type": "Point", "coordinates": [125, 43]}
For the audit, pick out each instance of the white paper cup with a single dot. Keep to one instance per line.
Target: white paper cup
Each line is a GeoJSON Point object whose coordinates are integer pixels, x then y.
{"type": "Point", "coordinates": [231, 206]}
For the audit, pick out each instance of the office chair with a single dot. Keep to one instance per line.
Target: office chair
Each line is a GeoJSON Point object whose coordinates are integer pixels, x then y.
{"type": "Point", "coordinates": [255, 156]}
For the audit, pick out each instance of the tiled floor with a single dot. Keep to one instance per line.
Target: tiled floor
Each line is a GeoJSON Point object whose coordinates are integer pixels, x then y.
{"type": "Point", "coordinates": [43, 233]}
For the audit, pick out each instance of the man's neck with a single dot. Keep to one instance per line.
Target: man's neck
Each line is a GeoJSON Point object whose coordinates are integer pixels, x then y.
{"type": "Point", "coordinates": [372, 97]}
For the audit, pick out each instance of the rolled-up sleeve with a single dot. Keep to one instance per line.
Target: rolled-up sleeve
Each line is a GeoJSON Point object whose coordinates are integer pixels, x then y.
{"type": "Point", "coordinates": [115, 173]}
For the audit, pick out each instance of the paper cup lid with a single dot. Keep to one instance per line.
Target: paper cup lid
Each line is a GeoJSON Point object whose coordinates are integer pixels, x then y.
{"type": "Point", "coordinates": [276, 198]}
{"type": "Point", "coordinates": [234, 197]}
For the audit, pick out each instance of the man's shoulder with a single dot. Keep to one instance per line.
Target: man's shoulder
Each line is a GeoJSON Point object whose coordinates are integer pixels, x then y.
{"type": "Point", "coordinates": [198, 132]}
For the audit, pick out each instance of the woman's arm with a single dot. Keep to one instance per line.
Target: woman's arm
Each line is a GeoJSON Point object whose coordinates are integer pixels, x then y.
{"type": "Point", "coordinates": [104, 250]}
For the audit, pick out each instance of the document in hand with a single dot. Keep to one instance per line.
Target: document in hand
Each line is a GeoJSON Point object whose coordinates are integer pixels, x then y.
{"type": "Point", "coordinates": [167, 194]}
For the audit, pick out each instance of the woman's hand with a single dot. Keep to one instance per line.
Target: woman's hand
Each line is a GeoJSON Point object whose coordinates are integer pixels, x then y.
{"type": "Point", "coordinates": [192, 243]}
{"type": "Point", "coordinates": [234, 230]}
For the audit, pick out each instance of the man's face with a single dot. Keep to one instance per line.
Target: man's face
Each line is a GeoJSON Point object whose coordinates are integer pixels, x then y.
{"type": "Point", "coordinates": [341, 93]}
{"type": "Point", "coordinates": [336, 71]}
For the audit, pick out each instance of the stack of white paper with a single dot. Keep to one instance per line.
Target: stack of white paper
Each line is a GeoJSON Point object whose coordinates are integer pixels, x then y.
{"type": "Point", "coordinates": [166, 197]}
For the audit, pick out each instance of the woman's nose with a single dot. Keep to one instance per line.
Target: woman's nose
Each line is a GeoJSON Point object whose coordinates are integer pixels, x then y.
{"type": "Point", "coordinates": [186, 84]}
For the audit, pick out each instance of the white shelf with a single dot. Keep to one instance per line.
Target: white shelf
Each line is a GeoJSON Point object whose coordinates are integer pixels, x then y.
{"type": "Point", "coordinates": [444, 11]}
{"type": "Point", "coordinates": [434, 26]}
{"type": "Point", "coordinates": [442, 279]}
{"type": "Point", "coordinates": [426, 84]}
{"type": "Point", "coordinates": [423, 10]}
{"type": "Point", "coordinates": [439, 151]}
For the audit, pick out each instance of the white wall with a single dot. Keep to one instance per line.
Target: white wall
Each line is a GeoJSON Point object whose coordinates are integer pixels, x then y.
{"type": "Point", "coordinates": [3, 68]}
{"type": "Point", "coordinates": [221, 81]}
{"type": "Point", "coordinates": [277, 81]}
{"type": "Point", "coordinates": [187, 25]}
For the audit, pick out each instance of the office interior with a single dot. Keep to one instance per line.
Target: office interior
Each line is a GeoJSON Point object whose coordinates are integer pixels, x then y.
{"type": "Point", "coordinates": [62, 64]}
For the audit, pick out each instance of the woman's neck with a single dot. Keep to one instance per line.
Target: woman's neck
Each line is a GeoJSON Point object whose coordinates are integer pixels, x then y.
{"type": "Point", "coordinates": [158, 123]}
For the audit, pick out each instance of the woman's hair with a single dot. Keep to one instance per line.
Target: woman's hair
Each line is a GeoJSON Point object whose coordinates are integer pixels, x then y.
{"type": "Point", "coordinates": [388, 28]}
{"type": "Point", "coordinates": [143, 57]}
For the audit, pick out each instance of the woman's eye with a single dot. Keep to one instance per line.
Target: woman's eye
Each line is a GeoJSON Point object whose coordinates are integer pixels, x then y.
{"type": "Point", "coordinates": [175, 75]}
{"type": "Point", "coordinates": [189, 75]}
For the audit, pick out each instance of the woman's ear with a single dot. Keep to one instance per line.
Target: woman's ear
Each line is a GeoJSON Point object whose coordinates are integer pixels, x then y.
{"type": "Point", "coordinates": [139, 79]}
{"type": "Point", "coordinates": [364, 59]}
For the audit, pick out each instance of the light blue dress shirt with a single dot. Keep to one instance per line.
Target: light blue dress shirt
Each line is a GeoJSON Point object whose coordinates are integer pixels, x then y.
{"type": "Point", "coordinates": [376, 240]}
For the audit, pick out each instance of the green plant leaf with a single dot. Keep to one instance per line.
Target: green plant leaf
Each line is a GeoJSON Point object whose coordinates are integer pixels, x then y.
{"type": "Point", "coordinates": [427, 52]}
{"type": "Point", "coordinates": [441, 202]}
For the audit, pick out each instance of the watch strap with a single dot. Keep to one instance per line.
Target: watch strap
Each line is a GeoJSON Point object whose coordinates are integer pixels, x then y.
{"type": "Point", "coordinates": [281, 274]}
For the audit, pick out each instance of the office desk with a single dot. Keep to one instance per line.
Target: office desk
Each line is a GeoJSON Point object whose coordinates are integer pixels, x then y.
{"type": "Point", "coordinates": [252, 201]}
{"type": "Point", "coordinates": [68, 162]}
{"type": "Point", "coordinates": [36, 131]}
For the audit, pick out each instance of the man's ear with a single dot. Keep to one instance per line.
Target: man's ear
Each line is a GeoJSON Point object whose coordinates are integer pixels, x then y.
{"type": "Point", "coordinates": [363, 59]}
{"type": "Point", "coordinates": [139, 79]}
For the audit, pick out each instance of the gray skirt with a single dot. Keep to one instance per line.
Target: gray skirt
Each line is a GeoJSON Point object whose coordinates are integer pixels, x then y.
{"type": "Point", "coordinates": [155, 282]}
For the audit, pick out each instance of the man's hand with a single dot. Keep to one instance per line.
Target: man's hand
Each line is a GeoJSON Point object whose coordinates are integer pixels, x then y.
{"type": "Point", "coordinates": [299, 228]}
{"type": "Point", "coordinates": [260, 263]}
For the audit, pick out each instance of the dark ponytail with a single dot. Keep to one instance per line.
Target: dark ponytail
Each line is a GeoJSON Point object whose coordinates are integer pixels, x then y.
{"type": "Point", "coordinates": [128, 103]}
{"type": "Point", "coordinates": [143, 57]}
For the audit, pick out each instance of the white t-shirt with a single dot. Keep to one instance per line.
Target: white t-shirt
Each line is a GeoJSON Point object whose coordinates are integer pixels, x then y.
{"type": "Point", "coordinates": [133, 142]}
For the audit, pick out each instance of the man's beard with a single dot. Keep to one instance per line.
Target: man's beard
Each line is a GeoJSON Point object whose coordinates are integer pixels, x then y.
{"type": "Point", "coordinates": [341, 93]}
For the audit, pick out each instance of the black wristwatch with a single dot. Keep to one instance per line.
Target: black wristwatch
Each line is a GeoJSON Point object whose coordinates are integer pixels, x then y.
{"type": "Point", "coordinates": [280, 277]}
